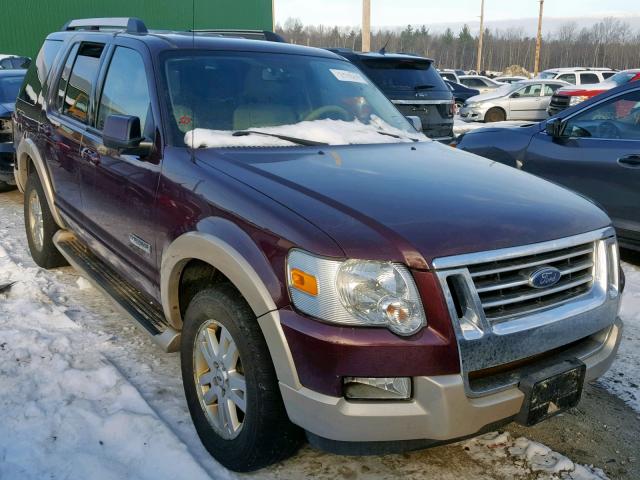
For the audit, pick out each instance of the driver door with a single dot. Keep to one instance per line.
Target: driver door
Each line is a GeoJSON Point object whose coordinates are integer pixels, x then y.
{"type": "Point", "coordinates": [599, 157]}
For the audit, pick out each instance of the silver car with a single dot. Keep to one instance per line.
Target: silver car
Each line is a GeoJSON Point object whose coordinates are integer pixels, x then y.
{"type": "Point", "coordinates": [526, 100]}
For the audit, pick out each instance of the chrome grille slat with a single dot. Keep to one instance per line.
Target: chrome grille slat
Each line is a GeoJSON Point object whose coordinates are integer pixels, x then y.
{"type": "Point", "coordinates": [519, 266]}
{"type": "Point", "coordinates": [490, 286]}
{"type": "Point", "coordinates": [508, 300]}
{"type": "Point", "coordinates": [503, 287]}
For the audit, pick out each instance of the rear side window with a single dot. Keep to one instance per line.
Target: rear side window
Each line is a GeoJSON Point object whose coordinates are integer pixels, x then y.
{"type": "Point", "coordinates": [587, 78]}
{"type": "Point", "coordinates": [38, 71]}
{"type": "Point", "coordinates": [81, 81]}
{"type": "Point", "coordinates": [606, 75]}
{"type": "Point", "coordinates": [126, 91]}
{"type": "Point", "coordinates": [412, 75]}
{"type": "Point", "coordinates": [568, 77]}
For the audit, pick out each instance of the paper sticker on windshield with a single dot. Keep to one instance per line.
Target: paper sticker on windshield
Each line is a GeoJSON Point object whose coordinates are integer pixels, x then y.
{"type": "Point", "coordinates": [347, 76]}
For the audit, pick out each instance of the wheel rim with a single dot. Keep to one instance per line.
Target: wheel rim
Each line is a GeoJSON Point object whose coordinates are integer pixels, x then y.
{"type": "Point", "coordinates": [219, 379]}
{"type": "Point", "coordinates": [36, 223]}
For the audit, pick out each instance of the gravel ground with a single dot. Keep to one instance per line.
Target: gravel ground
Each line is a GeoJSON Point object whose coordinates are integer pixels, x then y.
{"type": "Point", "coordinates": [603, 431]}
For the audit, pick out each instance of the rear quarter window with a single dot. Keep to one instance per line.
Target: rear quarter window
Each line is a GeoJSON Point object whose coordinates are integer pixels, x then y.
{"type": "Point", "coordinates": [36, 76]}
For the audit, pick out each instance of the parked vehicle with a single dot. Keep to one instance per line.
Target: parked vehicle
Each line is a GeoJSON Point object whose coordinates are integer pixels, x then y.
{"type": "Point", "coordinates": [510, 79]}
{"type": "Point", "coordinates": [321, 266]}
{"type": "Point", "coordinates": [412, 83]}
{"type": "Point", "coordinates": [10, 82]}
{"type": "Point", "coordinates": [14, 62]}
{"type": "Point", "coordinates": [479, 82]}
{"type": "Point", "coordinates": [461, 93]}
{"type": "Point", "coordinates": [592, 148]}
{"type": "Point", "coordinates": [526, 100]}
{"type": "Point", "coordinates": [568, 96]}
{"type": "Point", "coordinates": [450, 75]}
{"type": "Point", "coordinates": [577, 75]}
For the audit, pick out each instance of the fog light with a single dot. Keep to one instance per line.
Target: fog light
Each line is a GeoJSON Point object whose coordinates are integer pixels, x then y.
{"type": "Point", "coordinates": [365, 388]}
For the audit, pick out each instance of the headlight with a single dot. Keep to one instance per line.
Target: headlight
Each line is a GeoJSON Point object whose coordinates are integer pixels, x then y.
{"type": "Point", "coordinates": [355, 292]}
{"type": "Point", "coordinates": [5, 126]}
{"type": "Point", "coordinates": [577, 99]}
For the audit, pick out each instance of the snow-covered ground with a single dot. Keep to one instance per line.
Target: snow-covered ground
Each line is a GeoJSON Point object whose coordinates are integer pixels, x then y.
{"type": "Point", "coordinates": [83, 394]}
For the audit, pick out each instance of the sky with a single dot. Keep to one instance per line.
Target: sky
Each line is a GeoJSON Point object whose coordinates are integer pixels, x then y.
{"type": "Point", "coordinates": [417, 12]}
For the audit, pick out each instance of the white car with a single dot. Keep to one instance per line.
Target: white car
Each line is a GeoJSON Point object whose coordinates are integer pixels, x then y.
{"type": "Point", "coordinates": [448, 74]}
{"type": "Point", "coordinates": [577, 75]}
{"type": "Point", "coordinates": [480, 83]}
{"type": "Point", "coordinates": [526, 100]}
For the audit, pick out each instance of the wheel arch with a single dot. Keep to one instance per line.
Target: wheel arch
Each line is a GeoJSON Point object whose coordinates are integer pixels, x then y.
{"type": "Point", "coordinates": [28, 156]}
{"type": "Point", "coordinates": [228, 249]}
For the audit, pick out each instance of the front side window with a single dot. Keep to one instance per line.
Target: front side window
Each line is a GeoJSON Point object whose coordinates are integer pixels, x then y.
{"type": "Point", "coordinates": [618, 118]}
{"type": "Point", "coordinates": [126, 91]}
{"type": "Point", "coordinates": [215, 98]}
{"type": "Point", "coordinates": [568, 77]}
{"type": "Point", "coordinates": [81, 81]}
{"type": "Point", "coordinates": [532, 90]}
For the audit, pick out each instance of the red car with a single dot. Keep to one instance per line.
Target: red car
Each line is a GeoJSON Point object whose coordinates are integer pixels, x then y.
{"type": "Point", "coordinates": [569, 96]}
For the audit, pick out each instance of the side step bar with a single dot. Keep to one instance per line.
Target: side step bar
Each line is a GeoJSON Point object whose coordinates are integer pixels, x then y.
{"type": "Point", "coordinates": [145, 311]}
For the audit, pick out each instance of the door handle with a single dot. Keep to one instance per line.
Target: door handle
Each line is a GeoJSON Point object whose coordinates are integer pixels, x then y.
{"type": "Point", "coordinates": [90, 155]}
{"type": "Point", "coordinates": [629, 161]}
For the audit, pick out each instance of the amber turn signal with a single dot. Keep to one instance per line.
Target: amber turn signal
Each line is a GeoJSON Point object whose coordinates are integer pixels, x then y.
{"type": "Point", "coordinates": [304, 282]}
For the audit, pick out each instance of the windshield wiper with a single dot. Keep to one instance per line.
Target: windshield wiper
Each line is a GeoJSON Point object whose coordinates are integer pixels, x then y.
{"type": "Point", "coordinates": [397, 136]}
{"type": "Point", "coordinates": [298, 141]}
{"type": "Point", "coordinates": [423, 87]}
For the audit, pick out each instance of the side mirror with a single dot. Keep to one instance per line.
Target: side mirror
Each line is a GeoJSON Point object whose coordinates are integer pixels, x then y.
{"type": "Point", "coordinates": [553, 127]}
{"type": "Point", "coordinates": [122, 132]}
{"type": "Point", "coordinates": [515, 95]}
{"type": "Point", "coordinates": [416, 122]}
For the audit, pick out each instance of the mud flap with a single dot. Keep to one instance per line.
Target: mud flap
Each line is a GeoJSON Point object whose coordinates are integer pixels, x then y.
{"type": "Point", "coordinates": [550, 391]}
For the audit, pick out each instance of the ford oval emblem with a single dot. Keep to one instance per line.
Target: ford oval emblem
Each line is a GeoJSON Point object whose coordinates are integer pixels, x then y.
{"type": "Point", "coordinates": [544, 277]}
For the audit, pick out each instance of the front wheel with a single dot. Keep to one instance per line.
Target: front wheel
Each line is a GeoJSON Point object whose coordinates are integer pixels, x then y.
{"type": "Point", "coordinates": [495, 115]}
{"type": "Point", "coordinates": [230, 383]}
{"type": "Point", "coordinates": [40, 226]}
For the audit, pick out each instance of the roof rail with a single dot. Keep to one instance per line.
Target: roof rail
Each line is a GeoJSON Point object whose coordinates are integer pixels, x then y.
{"type": "Point", "coordinates": [239, 33]}
{"type": "Point", "coordinates": [129, 24]}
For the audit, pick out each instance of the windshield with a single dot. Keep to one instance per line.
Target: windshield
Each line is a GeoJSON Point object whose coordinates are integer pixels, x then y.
{"type": "Point", "coordinates": [621, 78]}
{"type": "Point", "coordinates": [392, 75]}
{"type": "Point", "coordinates": [9, 89]}
{"type": "Point", "coordinates": [214, 95]}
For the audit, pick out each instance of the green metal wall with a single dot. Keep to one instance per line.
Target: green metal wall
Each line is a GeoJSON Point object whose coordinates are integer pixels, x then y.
{"type": "Point", "coordinates": [25, 23]}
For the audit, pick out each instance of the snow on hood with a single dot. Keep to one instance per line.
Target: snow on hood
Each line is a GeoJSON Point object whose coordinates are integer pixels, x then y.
{"type": "Point", "coordinates": [332, 132]}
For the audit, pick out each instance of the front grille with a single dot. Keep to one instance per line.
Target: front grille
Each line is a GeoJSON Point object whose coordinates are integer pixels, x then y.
{"type": "Point", "coordinates": [504, 289]}
{"type": "Point", "coordinates": [559, 102]}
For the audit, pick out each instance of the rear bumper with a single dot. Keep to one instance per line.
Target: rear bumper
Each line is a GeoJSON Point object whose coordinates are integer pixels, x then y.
{"type": "Point", "coordinates": [439, 412]}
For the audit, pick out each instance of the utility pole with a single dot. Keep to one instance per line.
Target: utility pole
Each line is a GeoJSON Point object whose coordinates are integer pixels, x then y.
{"type": "Point", "coordinates": [479, 63]}
{"type": "Point", "coordinates": [536, 68]}
{"type": "Point", "coordinates": [366, 25]}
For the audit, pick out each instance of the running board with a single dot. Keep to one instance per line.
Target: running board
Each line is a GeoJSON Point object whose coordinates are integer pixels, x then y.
{"type": "Point", "coordinates": [145, 311]}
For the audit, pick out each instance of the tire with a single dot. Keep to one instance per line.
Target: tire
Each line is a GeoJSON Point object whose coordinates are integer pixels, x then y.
{"type": "Point", "coordinates": [495, 115]}
{"type": "Point", "coordinates": [40, 238]}
{"type": "Point", "coordinates": [5, 187]}
{"type": "Point", "coordinates": [260, 435]}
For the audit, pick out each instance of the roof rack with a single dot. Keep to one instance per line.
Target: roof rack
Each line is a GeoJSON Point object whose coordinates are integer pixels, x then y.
{"type": "Point", "coordinates": [128, 24]}
{"type": "Point", "coordinates": [239, 33]}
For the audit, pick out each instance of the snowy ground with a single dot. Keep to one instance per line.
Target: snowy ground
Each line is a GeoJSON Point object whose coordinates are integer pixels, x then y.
{"type": "Point", "coordinates": [83, 394]}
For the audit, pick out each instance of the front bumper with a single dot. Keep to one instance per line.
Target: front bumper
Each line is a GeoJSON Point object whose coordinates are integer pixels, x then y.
{"type": "Point", "coordinates": [7, 160]}
{"type": "Point", "coordinates": [472, 114]}
{"type": "Point", "coordinates": [440, 410]}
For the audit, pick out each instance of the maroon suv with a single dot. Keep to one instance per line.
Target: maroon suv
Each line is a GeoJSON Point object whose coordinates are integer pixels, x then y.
{"type": "Point", "coordinates": [321, 266]}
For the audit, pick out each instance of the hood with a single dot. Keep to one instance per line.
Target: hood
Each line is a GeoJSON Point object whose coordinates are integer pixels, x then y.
{"type": "Point", "coordinates": [410, 202]}
{"type": "Point", "coordinates": [499, 92]}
